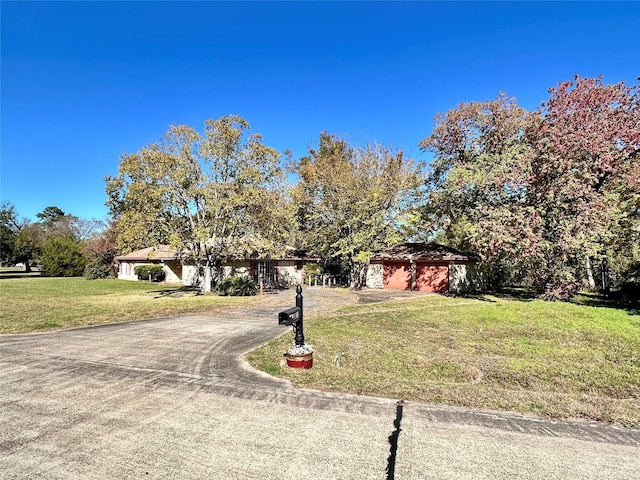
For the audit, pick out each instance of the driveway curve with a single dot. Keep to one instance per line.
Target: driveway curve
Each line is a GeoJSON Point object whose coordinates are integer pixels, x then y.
{"type": "Point", "coordinates": [174, 398]}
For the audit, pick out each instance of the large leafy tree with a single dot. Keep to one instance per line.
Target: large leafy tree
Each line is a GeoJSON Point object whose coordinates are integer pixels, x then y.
{"type": "Point", "coordinates": [20, 240]}
{"type": "Point", "coordinates": [352, 200]}
{"type": "Point", "coordinates": [215, 196]}
{"type": "Point", "coordinates": [62, 237]}
{"type": "Point", "coordinates": [542, 192]}
{"type": "Point", "coordinates": [9, 228]}
{"type": "Point", "coordinates": [28, 245]}
{"type": "Point", "coordinates": [62, 257]}
{"type": "Point", "coordinates": [51, 214]}
{"type": "Point", "coordinates": [56, 223]}
{"type": "Point", "coordinates": [480, 178]}
{"type": "Point", "coordinates": [587, 177]}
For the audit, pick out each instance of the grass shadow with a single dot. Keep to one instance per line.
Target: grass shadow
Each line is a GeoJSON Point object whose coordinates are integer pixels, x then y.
{"type": "Point", "coordinates": [20, 274]}
{"type": "Point", "coordinates": [584, 298]}
{"type": "Point", "coordinates": [475, 296]}
{"type": "Point", "coordinates": [511, 293]}
{"type": "Point", "coordinates": [603, 301]}
{"type": "Point", "coordinates": [516, 293]}
{"type": "Point", "coordinates": [178, 292]}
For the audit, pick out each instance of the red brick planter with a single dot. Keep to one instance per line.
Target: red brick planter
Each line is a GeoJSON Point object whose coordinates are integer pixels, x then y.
{"type": "Point", "coordinates": [304, 360]}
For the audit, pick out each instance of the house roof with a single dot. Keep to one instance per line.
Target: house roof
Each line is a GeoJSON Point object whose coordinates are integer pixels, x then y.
{"type": "Point", "coordinates": [424, 251]}
{"type": "Point", "coordinates": [160, 252]}
{"type": "Point", "coordinates": [166, 252]}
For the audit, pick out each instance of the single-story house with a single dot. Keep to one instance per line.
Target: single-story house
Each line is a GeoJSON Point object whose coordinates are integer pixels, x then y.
{"type": "Point", "coordinates": [281, 272]}
{"type": "Point", "coordinates": [427, 267]}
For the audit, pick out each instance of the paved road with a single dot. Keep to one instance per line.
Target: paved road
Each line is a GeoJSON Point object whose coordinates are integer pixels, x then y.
{"type": "Point", "coordinates": [172, 398]}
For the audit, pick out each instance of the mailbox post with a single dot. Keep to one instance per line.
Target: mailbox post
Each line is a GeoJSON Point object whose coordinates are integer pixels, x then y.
{"type": "Point", "coordinates": [299, 329]}
{"type": "Point", "coordinates": [301, 356]}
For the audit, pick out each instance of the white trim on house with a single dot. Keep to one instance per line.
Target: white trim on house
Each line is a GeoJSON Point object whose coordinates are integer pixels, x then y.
{"type": "Point", "coordinates": [284, 273]}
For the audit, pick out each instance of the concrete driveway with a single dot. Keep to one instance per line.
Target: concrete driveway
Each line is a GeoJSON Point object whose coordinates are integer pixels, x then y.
{"type": "Point", "coordinates": [173, 398]}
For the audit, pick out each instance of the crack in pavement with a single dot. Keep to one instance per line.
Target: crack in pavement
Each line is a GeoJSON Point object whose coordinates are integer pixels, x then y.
{"type": "Point", "coordinates": [393, 442]}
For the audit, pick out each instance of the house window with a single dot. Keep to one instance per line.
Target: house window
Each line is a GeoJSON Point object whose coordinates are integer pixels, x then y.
{"type": "Point", "coordinates": [267, 270]}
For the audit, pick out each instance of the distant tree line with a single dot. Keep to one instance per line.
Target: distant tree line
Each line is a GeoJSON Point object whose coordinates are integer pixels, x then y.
{"type": "Point", "coordinates": [549, 198]}
{"type": "Point", "coordinates": [61, 244]}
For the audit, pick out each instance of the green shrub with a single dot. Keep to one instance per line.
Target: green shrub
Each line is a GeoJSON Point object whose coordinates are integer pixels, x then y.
{"type": "Point", "coordinates": [224, 285]}
{"type": "Point", "coordinates": [62, 257]}
{"type": "Point", "coordinates": [629, 288]}
{"type": "Point", "coordinates": [156, 271]}
{"type": "Point", "coordinates": [94, 271]}
{"type": "Point", "coordinates": [630, 291]}
{"type": "Point", "coordinates": [236, 287]}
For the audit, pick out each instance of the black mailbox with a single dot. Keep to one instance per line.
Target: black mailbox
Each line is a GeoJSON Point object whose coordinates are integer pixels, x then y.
{"type": "Point", "coordinates": [290, 316]}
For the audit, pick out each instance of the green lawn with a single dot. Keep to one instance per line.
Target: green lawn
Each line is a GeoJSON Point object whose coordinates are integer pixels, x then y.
{"type": "Point", "coordinates": [556, 359]}
{"type": "Point", "coordinates": [39, 303]}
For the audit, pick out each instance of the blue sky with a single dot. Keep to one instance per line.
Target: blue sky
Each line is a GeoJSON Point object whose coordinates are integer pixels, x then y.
{"type": "Point", "coordinates": [84, 82]}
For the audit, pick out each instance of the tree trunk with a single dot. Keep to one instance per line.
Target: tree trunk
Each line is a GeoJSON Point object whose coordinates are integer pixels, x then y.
{"type": "Point", "coordinates": [363, 275]}
{"type": "Point", "coordinates": [590, 279]}
{"type": "Point", "coordinates": [358, 274]}
{"type": "Point", "coordinates": [211, 274]}
{"type": "Point", "coordinates": [353, 275]}
{"type": "Point", "coordinates": [207, 281]}
{"type": "Point", "coordinates": [604, 274]}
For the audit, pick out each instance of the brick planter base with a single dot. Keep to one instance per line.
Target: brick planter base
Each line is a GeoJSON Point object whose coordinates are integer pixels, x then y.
{"type": "Point", "coordinates": [304, 360]}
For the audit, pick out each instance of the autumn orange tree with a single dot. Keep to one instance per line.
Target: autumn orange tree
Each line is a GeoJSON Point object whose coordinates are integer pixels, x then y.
{"type": "Point", "coordinates": [545, 194]}
{"type": "Point", "coordinates": [100, 251]}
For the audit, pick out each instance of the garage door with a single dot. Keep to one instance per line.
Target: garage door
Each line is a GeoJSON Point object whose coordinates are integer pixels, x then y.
{"type": "Point", "coordinates": [432, 277]}
{"type": "Point", "coordinates": [397, 275]}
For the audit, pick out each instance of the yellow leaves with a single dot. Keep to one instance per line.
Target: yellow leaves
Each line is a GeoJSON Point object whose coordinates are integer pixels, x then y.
{"type": "Point", "coordinates": [352, 199]}
{"type": "Point", "coordinates": [190, 189]}
{"type": "Point", "coordinates": [363, 256]}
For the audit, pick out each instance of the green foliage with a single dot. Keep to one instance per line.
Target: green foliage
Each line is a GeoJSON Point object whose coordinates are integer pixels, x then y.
{"type": "Point", "coordinates": [353, 200]}
{"type": "Point", "coordinates": [29, 243]}
{"type": "Point", "coordinates": [51, 214]}
{"type": "Point", "coordinates": [633, 273]}
{"type": "Point", "coordinates": [156, 272]}
{"type": "Point", "coordinates": [7, 245]}
{"type": "Point", "coordinates": [8, 232]}
{"type": "Point", "coordinates": [236, 286]}
{"type": "Point", "coordinates": [20, 240]}
{"type": "Point", "coordinates": [214, 196]}
{"type": "Point", "coordinates": [62, 257]}
{"type": "Point", "coordinates": [312, 268]}
{"type": "Point", "coordinates": [544, 193]}
{"type": "Point", "coordinates": [95, 271]}
{"type": "Point", "coordinates": [629, 288]}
